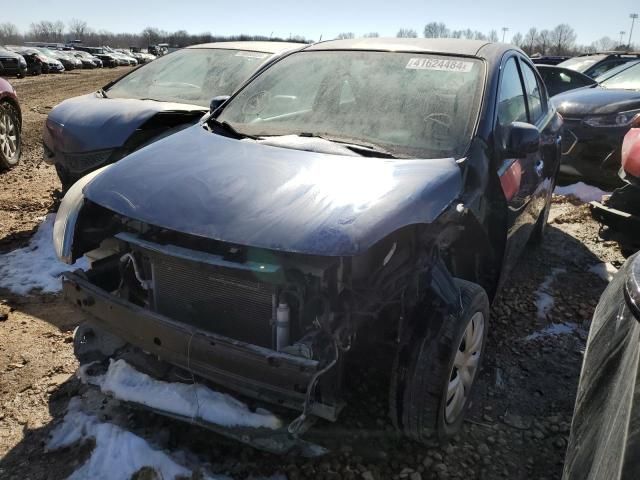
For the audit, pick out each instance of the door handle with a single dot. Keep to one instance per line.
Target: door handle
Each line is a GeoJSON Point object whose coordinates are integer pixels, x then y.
{"type": "Point", "coordinates": [539, 167]}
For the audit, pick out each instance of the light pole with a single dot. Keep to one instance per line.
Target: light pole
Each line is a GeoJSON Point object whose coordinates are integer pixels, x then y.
{"type": "Point", "coordinates": [633, 17]}
{"type": "Point", "coordinates": [504, 31]}
{"type": "Point", "coordinates": [622, 32]}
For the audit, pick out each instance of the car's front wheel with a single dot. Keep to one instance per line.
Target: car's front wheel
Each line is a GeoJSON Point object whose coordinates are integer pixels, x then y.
{"type": "Point", "coordinates": [10, 142]}
{"type": "Point", "coordinates": [433, 375]}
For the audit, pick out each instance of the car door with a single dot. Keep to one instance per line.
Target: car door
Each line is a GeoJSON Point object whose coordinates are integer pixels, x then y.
{"type": "Point", "coordinates": [543, 115]}
{"type": "Point", "coordinates": [522, 179]}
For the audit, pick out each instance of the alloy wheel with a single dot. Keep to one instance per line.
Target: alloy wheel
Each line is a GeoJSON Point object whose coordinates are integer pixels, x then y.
{"type": "Point", "coordinates": [8, 136]}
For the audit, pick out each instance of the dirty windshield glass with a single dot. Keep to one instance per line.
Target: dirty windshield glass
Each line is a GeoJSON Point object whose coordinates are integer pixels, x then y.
{"type": "Point", "coordinates": [193, 75]}
{"type": "Point", "coordinates": [409, 104]}
{"type": "Point", "coordinates": [629, 79]}
{"type": "Point", "coordinates": [580, 64]}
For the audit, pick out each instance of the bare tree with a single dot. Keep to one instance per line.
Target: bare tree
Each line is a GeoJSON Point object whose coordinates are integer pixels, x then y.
{"type": "Point", "coordinates": [371, 35]}
{"type": "Point", "coordinates": [517, 40]}
{"type": "Point", "coordinates": [530, 40]}
{"type": "Point", "coordinates": [77, 28]}
{"type": "Point", "coordinates": [58, 30]}
{"type": "Point", "coordinates": [151, 34]}
{"type": "Point", "coordinates": [456, 33]}
{"type": "Point", "coordinates": [9, 33]}
{"type": "Point", "coordinates": [468, 34]}
{"type": "Point", "coordinates": [562, 39]}
{"type": "Point", "coordinates": [543, 42]}
{"type": "Point", "coordinates": [493, 36]}
{"type": "Point", "coordinates": [604, 44]}
{"type": "Point", "coordinates": [407, 33]}
{"type": "Point", "coordinates": [436, 30]}
{"type": "Point", "coordinates": [345, 35]}
{"type": "Point", "coordinates": [479, 35]}
{"type": "Point", "coordinates": [179, 38]}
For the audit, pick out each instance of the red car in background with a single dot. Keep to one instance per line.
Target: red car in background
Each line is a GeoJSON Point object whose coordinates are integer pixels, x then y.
{"type": "Point", "coordinates": [10, 126]}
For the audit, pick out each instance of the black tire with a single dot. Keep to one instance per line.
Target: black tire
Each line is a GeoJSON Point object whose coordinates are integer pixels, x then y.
{"type": "Point", "coordinates": [8, 110]}
{"type": "Point", "coordinates": [423, 369]}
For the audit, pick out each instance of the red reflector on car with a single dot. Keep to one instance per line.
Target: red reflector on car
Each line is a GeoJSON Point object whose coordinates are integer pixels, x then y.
{"type": "Point", "coordinates": [510, 180]}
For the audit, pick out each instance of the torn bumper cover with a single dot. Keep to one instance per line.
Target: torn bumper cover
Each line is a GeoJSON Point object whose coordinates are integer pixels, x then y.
{"type": "Point", "coordinates": [251, 370]}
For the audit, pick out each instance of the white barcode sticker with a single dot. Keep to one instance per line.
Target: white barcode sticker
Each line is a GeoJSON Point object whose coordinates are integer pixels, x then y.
{"type": "Point", "coordinates": [441, 64]}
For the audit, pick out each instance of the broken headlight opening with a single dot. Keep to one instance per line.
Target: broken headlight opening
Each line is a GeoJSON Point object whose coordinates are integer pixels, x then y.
{"type": "Point", "coordinates": [268, 325]}
{"type": "Point", "coordinates": [67, 216]}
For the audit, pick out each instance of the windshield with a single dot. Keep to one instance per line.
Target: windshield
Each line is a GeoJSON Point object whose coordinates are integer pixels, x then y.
{"type": "Point", "coordinates": [192, 75]}
{"type": "Point", "coordinates": [616, 70]}
{"type": "Point", "coordinates": [628, 79]}
{"type": "Point", "coordinates": [581, 64]}
{"type": "Point", "coordinates": [409, 104]}
{"type": "Point", "coordinates": [48, 52]}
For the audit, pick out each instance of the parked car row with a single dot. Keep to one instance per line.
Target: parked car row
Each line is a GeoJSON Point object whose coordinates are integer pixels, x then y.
{"type": "Point", "coordinates": [598, 96]}
{"type": "Point", "coordinates": [35, 58]}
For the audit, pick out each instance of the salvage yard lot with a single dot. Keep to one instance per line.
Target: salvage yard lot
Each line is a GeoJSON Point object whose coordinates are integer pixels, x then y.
{"type": "Point", "coordinates": [521, 412]}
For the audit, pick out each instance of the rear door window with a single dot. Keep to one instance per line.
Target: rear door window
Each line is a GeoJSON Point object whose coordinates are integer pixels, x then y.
{"type": "Point", "coordinates": [511, 97]}
{"type": "Point", "coordinates": [535, 94]}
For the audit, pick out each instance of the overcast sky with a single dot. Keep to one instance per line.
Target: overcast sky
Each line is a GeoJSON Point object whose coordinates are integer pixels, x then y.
{"type": "Point", "coordinates": [591, 19]}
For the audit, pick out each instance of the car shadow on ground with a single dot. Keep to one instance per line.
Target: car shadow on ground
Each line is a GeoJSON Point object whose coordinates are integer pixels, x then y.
{"type": "Point", "coordinates": [518, 422]}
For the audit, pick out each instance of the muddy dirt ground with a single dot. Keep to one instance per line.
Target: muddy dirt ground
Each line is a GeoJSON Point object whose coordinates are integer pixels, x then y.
{"type": "Point", "coordinates": [521, 412]}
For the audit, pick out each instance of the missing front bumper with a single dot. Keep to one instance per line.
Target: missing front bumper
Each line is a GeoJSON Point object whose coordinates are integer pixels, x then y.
{"type": "Point", "coordinates": [250, 370]}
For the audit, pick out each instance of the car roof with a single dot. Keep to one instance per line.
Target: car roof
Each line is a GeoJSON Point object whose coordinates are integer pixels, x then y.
{"type": "Point", "coordinates": [610, 54]}
{"type": "Point", "coordinates": [266, 47]}
{"type": "Point", "coordinates": [454, 46]}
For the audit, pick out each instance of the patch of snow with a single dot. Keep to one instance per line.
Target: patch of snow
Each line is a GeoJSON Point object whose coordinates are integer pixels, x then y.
{"type": "Point", "coordinates": [605, 271]}
{"type": "Point", "coordinates": [581, 191]}
{"type": "Point", "coordinates": [554, 329]}
{"type": "Point", "coordinates": [117, 454]}
{"type": "Point", "coordinates": [124, 382]}
{"type": "Point", "coordinates": [544, 298]}
{"type": "Point", "coordinates": [35, 266]}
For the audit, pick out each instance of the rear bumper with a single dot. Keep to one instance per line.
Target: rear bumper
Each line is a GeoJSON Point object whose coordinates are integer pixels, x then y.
{"type": "Point", "coordinates": [250, 370]}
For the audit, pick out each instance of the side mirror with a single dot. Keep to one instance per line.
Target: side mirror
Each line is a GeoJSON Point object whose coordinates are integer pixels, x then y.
{"type": "Point", "coordinates": [520, 139]}
{"type": "Point", "coordinates": [216, 102]}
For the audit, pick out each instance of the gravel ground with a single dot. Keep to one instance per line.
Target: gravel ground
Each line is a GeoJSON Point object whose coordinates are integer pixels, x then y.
{"type": "Point", "coordinates": [519, 419]}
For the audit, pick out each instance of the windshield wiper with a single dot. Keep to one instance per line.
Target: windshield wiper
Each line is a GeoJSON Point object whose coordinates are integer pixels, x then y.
{"type": "Point", "coordinates": [364, 149]}
{"type": "Point", "coordinates": [102, 92]}
{"type": "Point", "coordinates": [228, 128]}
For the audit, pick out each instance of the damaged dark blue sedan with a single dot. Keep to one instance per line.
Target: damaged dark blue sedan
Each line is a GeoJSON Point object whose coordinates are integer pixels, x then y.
{"type": "Point", "coordinates": [87, 132]}
{"type": "Point", "coordinates": [360, 192]}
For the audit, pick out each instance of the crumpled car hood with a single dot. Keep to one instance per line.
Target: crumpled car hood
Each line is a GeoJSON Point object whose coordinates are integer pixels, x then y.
{"type": "Point", "coordinates": [91, 122]}
{"type": "Point", "coordinates": [595, 101]}
{"type": "Point", "coordinates": [200, 183]}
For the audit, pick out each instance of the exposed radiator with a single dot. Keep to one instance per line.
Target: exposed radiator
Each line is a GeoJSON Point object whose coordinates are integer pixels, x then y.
{"type": "Point", "coordinates": [218, 299]}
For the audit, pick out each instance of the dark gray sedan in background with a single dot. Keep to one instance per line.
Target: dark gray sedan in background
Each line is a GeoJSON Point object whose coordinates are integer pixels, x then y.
{"type": "Point", "coordinates": [87, 132]}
